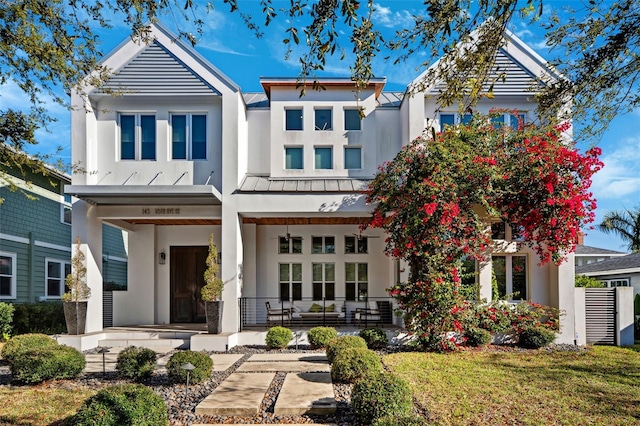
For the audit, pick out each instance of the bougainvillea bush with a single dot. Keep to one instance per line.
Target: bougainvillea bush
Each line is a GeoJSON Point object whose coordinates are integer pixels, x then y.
{"type": "Point", "coordinates": [436, 198]}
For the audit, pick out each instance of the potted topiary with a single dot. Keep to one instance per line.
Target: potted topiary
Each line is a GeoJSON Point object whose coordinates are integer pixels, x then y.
{"type": "Point", "coordinates": [212, 291]}
{"type": "Point", "coordinates": [75, 299]}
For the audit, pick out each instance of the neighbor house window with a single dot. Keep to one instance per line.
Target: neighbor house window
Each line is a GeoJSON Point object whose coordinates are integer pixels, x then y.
{"type": "Point", "coordinates": [324, 281]}
{"type": "Point", "coordinates": [620, 282]}
{"type": "Point", "coordinates": [137, 137]}
{"type": "Point", "coordinates": [290, 281]}
{"type": "Point", "coordinates": [352, 157]}
{"type": "Point", "coordinates": [451, 119]}
{"type": "Point", "coordinates": [293, 158]}
{"type": "Point", "coordinates": [290, 245]}
{"type": "Point", "coordinates": [65, 209]}
{"type": "Point", "coordinates": [323, 158]}
{"type": "Point", "coordinates": [323, 245]}
{"type": "Point", "coordinates": [352, 120]}
{"type": "Point", "coordinates": [188, 136]}
{"type": "Point", "coordinates": [323, 119]}
{"type": "Point", "coordinates": [56, 273]}
{"type": "Point", "coordinates": [356, 244]}
{"type": "Point", "coordinates": [8, 275]}
{"type": "Point", "coordinates": [510, 272]}
{"type": "Point", "coordinates": [356, 281]}
{"type": "Point", "coordinates": [293, 119]}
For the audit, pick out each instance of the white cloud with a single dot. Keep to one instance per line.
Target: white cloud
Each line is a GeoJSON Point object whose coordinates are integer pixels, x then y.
{"type": "Point", "coordinates": [619, 177]}
{"type": "Point", "coordinates": [392, 19]}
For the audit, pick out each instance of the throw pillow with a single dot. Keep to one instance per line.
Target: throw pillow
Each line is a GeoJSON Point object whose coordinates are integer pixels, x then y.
{"type": "Point", "coordinates": [315, 308]}
{"type": "Point", "coordinates": [330, 308]}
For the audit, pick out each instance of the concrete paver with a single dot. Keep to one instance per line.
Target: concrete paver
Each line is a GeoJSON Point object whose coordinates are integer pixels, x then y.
{"type": "Point", "coordinates": [286, 366]}
{"type": "Point", "coordinates": [306, 393]}
{"type": "Point", "coordinates": [239, 394]}
{"type": "Point", "coordinates": [223, 361]}
{"type": "Point", "coordinates": [316, 357]}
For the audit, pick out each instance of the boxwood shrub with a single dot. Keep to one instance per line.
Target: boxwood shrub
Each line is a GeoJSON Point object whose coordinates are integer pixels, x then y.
{"type": "Point", "coordinates": [24, 343]}
{"type": "Point", "coordinates": [6, 320]}
{"type": "Point", "coordinates": [320, 336]}
{"type": "Point", "coordinates": [376, 338]}
{"type": "Point", "coordinates": [536, 337]}
{"type": "Point", "coordinates": [38, 365]}
{"type": "Point", "coordinates": [382, 395]}
{"type": "Point", "coordinates": [201, 360]}
{"type": "Point", "coordinates": [343, 342]}
{"type": "Point", "coordinates": [129, 404]}
{"type": "Point", "coordinates": [136, 363]}
{"type": "Point", "coordinates": [409, 420]}
{"type": "Point", "coordinates": [477, 336]}
{"type": "Point", "coordinates": [353, 364]}
{"type": "Point", "coordinates": [278, 337]}
{"type": "Point", "coordinates": [40, 317]}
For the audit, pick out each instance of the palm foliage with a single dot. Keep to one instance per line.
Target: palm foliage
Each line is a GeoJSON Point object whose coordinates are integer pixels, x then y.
{"type": "Point", "coordinates": [626, 225]}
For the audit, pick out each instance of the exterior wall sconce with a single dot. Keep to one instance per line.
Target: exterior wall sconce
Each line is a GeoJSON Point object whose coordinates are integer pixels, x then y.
{"type": "Point", "coordinates": [162, 258]}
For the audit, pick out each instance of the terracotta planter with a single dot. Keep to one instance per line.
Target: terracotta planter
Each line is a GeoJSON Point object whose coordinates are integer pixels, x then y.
{"type": "Point", "coordinates": [75, 315]}
{"type": "Point", "coordinates": [214, 316]}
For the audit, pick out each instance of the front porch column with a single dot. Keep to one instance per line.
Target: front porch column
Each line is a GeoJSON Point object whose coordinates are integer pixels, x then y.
{"type": "Point", "coordinates": [562, 296]}
{"type": "Point", "coordinates": [484, 279]}
{"type": "Point", "coordinates": [88, 227]}
{"type": "Point", "coordinates": [232, 269]}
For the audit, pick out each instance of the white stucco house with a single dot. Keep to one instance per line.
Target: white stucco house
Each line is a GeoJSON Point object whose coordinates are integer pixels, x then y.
{"type": "Point", "coordinates": [182, 153]}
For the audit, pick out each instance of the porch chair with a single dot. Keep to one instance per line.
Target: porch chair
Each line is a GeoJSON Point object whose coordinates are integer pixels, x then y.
{"type": "Point", "coordinates": [368, 315]}
{"type": "Point", "coordinates": [278, 316]}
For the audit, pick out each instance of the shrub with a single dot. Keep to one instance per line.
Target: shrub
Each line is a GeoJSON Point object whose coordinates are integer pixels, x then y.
{"type": "Point", "coordinates": [136, 363]}
{"type": "Point", "coordinates": [129, 404]}
{"type": "Point", "coordinates": [24, 343]}
{"type": "Point", "coordinates": [6, 318]}
{"type": "Point", "coordinates": [536, 337]}
{"type": "Point", "coordinates": [38, 365]}
{"type": "Point", "coordinates": [477, 336]}
{"type": "Point", "coordinates": [408, 420]}
{"type": "Point", "coordinates": [320, 336]}
{"type": "Point", "coordinates": [41, 317]}
{"type": "Point", "coordinates": [278, 337]}
{"type": "Point", "coordinates": [353, 364]}
{"type": "Point", "coordinates": [588, 282]}
{"type": "Point", "coordinates": [379, 396]}
{"type": "Point", "coordinates": [343, 342]}
{"type": "Point", "coordinates": [200, 360]}
{"type": "Point", "coordinates": [376, 338]}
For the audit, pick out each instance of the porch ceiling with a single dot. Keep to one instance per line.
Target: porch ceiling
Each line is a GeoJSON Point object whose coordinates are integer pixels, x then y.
{"type": "Point", "coordinates": [141, 195]}
{"type": "Point", "coordinates": [172, 222]}
{"type": "Point", "coordinates": [307, 220]}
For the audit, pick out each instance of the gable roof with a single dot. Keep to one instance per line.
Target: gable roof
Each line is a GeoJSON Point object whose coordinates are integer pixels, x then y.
{"type": "Point", "coordinates": [622, 264]}
{"type": "Point", "coordinates": [582, 250]}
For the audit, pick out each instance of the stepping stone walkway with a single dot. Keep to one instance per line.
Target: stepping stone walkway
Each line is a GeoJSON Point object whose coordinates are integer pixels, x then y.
{"type": "Point", "coordinates": [306, 393]}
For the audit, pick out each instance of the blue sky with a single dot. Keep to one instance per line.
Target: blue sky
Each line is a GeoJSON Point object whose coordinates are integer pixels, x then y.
{"type": "Point", "coordinates": [235, 51]}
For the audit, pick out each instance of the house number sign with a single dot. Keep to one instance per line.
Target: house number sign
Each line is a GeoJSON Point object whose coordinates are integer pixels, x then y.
{"type": "Point", "coordinates": [161, 210]}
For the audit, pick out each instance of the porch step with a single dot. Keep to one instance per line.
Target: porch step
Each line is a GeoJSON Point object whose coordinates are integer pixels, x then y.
{"type": "Point", "coordinates": [148, 342]}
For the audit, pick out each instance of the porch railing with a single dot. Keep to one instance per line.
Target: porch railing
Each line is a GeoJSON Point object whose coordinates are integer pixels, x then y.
{"type": "Point", "coordinates": [371, 311]}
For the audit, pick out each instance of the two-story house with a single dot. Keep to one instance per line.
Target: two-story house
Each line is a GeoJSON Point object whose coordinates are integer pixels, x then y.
{"type": "Point", "coordinates": [181, 153]}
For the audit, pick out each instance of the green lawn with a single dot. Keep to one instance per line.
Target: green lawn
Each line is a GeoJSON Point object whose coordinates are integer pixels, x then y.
{"type": "Point", "coordinates": [597, 387]}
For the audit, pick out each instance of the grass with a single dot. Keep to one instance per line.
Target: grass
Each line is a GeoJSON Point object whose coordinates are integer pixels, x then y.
{"type": "Point", "coordinates": [39, 405]}
{"type": "Point", "coordinates": [599, 386]}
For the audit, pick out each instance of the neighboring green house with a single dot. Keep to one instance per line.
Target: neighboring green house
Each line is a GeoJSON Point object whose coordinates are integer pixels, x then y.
{"type": "Point", "coordinates": [35, 239]}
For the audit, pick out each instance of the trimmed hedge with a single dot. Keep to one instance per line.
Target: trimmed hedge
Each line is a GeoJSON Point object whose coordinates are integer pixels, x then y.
{"type": "Point", "coordinates": [477, 336]}
{"type": "Point", "coordinates": [382, 395]}
{"type": "Point", "coordinates": [6, 318]}
{"type": "Point", "coordinates": [409, 420]}
{"type": "Point", "coordinates": [320, 336]}
{"type": "Point", "coordinates": [278, 337]}
{"type": "Point", "coordinates": [376, 338]}
{"type": "Point", "coordinates": [200, 360]}
{"type": "Point", "coordinates": [353, 364]}
{"type": "Point", "coordinates": [41, 317]}
{"type": "Point", "coordinates": [136, 363]}
{"type": "Point", "coordinates": [536, 337]}
{"type": "Point", "coordinates": [26, 342]}
{"type": "Point", "coordinates": [343, 342]}
{"type": "Point", "coordinates": [38, 365]}
{"type": "Point", "coordinates": [117, 405]}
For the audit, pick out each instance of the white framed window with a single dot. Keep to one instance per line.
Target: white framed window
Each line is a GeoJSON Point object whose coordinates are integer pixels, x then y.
{"type": "Point", "coordinates": [137, 136]}
{"type": "Point", "coordinates": [56, 272]}
{"type": "Point", "coordinates": [356, 244]}
{"type": "Point", "coordinates": [323, 281]}
{"type": "Point", "coordinates": [290, 245]}
{"type": "Point", "coordinates": [293, 158]}
{"type": "Point", "coordinates": [8, 275]}
{"type": "Point", "coordinates": [452, 119]}
{"type": "Point", "coordinates": [320, 245]}
{"type": "Point", "coordinates": [352, 120]}
{"type": "Point", "coordinates": [510, 271]}
{"type": "Point", "coordinates": [323, 158]}
{"type": "Point", "coordinates": [290, 279]}
{"type": "Point", "coordinates": [65, 209]}
{"type": "Point", "coordinates": [618, 282]}
{"type": "Point", "coordinates": [356, 279]}
{"type": "Point", "coordinates": [323, 119]}
{"type": "Point", "coordinates": [189, 136]}
{"type": "Point", "coordinates": [353, 158]}
{"type": "Point", "coordinates": [511, 120]}
{"type": "Point", "coordinates": [293, 119]}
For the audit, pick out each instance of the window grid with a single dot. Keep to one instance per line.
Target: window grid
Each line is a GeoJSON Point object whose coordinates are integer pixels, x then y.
{"type": "Point", "coordinates": [56, 272]}
{"type": "Point", "coordinates": [290, 279]}
{"type": "Point", "coordinates": [356, 244]}
{"type": "Point", "coordinates": [323, 245]}
{"type": "Point", "coordinates": [356, 281]}
{"type": "Point", "coordinates": [324, 281]}
{"type": "Point", "coordinates": [290, 245]}
{"type": "Point", "coordinates": [189, 136]}
{"type": "Point", "coordinates": [137, 136]}
{"type": "Point", "coordinates": [8, 275]}
{"type": "Point", "coordinates": [510, 272]}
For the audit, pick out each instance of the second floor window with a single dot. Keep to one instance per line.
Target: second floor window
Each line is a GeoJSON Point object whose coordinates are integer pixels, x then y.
{"type": "Point", "coordinates": [451, 119]}
{"type": "Point", "coordinates": [352, 120]}
{"type": "Point", "coordinates": [293, 119]}
{"type": "Point", "coordinates": [137, 137]}
{"type": "Point", "coordinates": [323, 119]}
{"type": "Point", "coordinates": [65, 206]}
{"type": "Point", "coordinates": [189, 137]}
{"type": "Point", "coordinates": [356, 244]}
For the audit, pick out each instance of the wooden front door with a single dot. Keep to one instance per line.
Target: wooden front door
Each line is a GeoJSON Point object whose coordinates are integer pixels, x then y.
{"type": "Point", "coordinates": [187, 278]}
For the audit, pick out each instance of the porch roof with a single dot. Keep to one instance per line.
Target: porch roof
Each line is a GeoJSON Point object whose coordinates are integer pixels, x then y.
{"type": "Point", "coordinates": [252, 183]}
{"type": "Point", "coordinates": [127, 195]}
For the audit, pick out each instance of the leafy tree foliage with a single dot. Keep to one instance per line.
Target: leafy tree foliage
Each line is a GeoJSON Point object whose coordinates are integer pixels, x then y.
{"type": "Point", "coordinates": [626, 225]}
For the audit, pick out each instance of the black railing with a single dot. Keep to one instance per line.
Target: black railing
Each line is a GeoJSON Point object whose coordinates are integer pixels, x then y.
{"type": "Point", "coordinates": [270, 311]}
